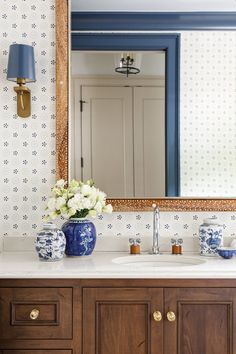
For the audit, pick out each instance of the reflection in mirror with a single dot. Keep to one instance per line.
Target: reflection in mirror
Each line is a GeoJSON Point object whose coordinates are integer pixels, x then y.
{"type": "Point", "coordinates": [206, 74]}
{"type": "Point", "coordinates": [118, 122]}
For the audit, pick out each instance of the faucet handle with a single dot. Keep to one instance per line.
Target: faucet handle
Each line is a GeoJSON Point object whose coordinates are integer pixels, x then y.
{"type": "Point", "coordinates": [135, 241]}
{"type": "Point", "coordinates": [176, 241]}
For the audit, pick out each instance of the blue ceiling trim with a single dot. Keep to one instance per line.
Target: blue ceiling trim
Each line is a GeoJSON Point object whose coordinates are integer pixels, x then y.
{"type": "Point", "coordinates": [152, 21]}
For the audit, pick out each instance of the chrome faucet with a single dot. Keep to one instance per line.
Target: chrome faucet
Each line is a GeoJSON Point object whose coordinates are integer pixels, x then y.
{"type": "Point", "coordinates": [156, 230]}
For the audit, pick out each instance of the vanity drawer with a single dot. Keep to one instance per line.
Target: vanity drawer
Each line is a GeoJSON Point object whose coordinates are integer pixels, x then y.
{"type": "Point", "coordinates": [36, 313]}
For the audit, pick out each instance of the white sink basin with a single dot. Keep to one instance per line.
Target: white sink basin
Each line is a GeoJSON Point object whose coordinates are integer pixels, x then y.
{"type": "Point", "coordinates": [158, 261]}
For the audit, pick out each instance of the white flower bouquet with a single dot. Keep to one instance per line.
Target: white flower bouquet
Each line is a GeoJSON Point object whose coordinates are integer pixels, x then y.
{"type": "Point", "coordinates": [76, 200]}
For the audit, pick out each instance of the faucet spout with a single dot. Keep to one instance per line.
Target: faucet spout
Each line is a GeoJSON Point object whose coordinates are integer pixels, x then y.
{"type": "Point", "coordinates": [156, 230]}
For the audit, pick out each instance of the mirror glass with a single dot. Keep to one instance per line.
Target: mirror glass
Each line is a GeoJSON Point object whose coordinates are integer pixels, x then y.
{"type": "Point", "coordinates": [118, 134]}
{"type": "Point", "coordinates": [119, 121]}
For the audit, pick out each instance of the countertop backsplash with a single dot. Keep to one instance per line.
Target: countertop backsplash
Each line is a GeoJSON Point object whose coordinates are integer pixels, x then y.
{"type": "Point", "coordinates": [114, 230]}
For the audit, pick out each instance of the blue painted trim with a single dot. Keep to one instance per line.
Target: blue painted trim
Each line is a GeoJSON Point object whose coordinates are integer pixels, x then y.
{"type": "Point", "coordinates": [152, 21]}
{"type": "Point", "coordinates": [149, 42]}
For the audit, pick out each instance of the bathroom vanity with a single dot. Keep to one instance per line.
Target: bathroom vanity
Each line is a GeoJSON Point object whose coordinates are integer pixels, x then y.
{"type": "Point", "coordinates": [94, 305]}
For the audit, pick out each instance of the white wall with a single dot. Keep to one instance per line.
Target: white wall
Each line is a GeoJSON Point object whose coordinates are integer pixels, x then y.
{"type": "Point", "coordinates": [27, 154]}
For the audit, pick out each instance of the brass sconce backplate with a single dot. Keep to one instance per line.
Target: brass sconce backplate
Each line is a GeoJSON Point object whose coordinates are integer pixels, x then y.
{"type": "Point", "coordinates": [23, 101]}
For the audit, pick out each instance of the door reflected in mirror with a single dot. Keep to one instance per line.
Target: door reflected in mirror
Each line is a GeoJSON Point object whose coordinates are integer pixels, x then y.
{"type": "Point", "coordinates": [119, 122]}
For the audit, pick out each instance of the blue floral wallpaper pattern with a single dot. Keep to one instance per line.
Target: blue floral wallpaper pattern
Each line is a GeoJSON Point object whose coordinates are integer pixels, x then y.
{"type": "Point", "coordinates": [27, 153]}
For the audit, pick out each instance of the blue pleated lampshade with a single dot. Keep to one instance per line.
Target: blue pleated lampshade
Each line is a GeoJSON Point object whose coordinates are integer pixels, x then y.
{"type": "Point", "coordinates": [21, 63]}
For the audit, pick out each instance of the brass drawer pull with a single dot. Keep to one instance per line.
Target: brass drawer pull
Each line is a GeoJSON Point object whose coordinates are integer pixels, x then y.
{"type": "Point", "coordinates": [34, 314]}
{"type": "Point", "coordinates": [171, 316]}
{"type": "Point", "coordinates": [157, 316]}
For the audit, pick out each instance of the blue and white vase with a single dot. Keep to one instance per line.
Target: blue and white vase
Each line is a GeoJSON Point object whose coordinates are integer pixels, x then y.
{"type": "Point", "coordinates": [210, 237]}
{"type": "Point", "coordinates": [50, 243]}
{"type": "Point", "coordinates": [80, 237]}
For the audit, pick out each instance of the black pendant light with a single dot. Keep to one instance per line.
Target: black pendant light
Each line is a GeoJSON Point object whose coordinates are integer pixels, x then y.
{"type": "Point", "coordinates": [127, 65]}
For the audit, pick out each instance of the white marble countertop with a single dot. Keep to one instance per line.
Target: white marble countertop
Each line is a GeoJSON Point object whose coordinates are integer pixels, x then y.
{"type": "Point", "coordinates": [21, 265]}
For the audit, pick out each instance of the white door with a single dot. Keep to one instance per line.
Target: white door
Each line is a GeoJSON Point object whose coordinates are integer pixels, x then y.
{"type": "Point", "coordinates": [107, 139]}
{"type": "Point", "coordinates": [149, 142]}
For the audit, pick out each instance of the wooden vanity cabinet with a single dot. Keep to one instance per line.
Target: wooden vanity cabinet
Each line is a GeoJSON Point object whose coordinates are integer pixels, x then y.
{"type": "Point", "coordinates": [125, 320]}
{"type": "Point", "coordinates": [101, 316]}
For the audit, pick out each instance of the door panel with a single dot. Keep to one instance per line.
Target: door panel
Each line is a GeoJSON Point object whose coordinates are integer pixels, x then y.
{"type": "Point", "coordinates": [107, 139]}
{"type": "Point", "coordinates": [204, 321]}
{"type": "Point", "coordinates": [119, 321]}
{"type": "Point", "coordinates": [149, 141]}
{"type": "Point", "coordinates": [204, 327]}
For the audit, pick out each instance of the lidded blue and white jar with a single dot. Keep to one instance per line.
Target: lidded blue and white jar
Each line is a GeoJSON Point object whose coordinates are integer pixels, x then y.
{"type": "Point", "coordinates": [210, 237]}
{"type": "Point", "coordinates": [50, 243]}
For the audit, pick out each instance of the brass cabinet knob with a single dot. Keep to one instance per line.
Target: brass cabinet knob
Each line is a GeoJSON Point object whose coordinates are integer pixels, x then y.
{"type": "Point", "coordinates": [157, 316]}
{"type": "Point", "coordinates": [34, 314]}
{"type": "Point", "coordinates": [171, 316]}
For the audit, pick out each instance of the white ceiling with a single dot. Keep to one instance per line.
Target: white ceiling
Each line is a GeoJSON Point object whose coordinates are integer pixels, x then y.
{"type": "Point", "coordinates": [153, 5]}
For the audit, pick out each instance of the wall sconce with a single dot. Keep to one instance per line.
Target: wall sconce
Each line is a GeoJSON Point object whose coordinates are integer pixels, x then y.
{"type": "Point", "coordinates": [21, 69]}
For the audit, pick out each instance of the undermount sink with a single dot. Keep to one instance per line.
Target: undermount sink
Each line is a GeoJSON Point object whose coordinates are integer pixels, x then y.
{"type": "Point", "coordinates": [159, 260]}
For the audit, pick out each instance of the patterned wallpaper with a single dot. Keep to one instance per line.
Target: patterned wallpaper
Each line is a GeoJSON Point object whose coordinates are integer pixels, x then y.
{"type": "Point", "coordinates": [208, 113]}
{"type": "Point", "coordinates": [27, 154]}
{"type": "Point", "coordinates": [120, 226]}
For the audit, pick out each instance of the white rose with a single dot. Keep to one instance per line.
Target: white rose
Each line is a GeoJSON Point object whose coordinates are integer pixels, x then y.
{"type": "Point", "coordinates": [60, 202]}
{"type": "Point", "coordinates": [90, 182]}
{"type": "Point", "coordinates": [74, 202]}
{"type": "Point", "coordinates": [51, 205]}
{"type": "Point", "coordinates": [85, 190]}
{"type": "Point", "coordinates": [92, 213]}
{"type": "Point", "coordinates": [93, 193]}
{"type": "Point", "coordinates": [93, 202]}
{"type": "Point", "coordinates": [60, 183]}
{"type": "Point", "coordinates": [101, 196]}
{"type": "Point", "coordinates": [85, 203]}
{"type": "Point", "coordinates": [73, 184]}
{"type": "Point", "coordinates": [108, 208]}
{"type": "Point", "coordinates": [73, 187]}
{"type": "Point", "coordinates": [98, 207]}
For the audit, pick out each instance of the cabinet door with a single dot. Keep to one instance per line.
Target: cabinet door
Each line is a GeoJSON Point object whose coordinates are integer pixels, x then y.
{"type": "Point", "coordinates": [120, 321]}
{"type": "Point", "coordinates": [204, 321]}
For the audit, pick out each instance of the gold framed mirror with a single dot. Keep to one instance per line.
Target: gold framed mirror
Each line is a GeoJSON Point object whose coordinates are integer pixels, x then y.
{"type": "Point", "coordinates": [62, 129]}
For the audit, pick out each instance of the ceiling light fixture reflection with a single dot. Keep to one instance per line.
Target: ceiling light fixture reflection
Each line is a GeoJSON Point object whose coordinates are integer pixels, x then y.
{"type": "Point", "coordinates": [127, 65]}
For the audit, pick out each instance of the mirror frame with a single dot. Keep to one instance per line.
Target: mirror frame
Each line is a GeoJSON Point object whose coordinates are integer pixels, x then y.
{"type": "Point", "coordinates": [208, 20]}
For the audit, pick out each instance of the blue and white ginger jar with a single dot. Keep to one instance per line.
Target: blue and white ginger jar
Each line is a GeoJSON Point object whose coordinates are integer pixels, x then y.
{"type": "Point", "coordinates": [80, 237]}
{"type": "Point", "coordinates": [210, 237]}
{"type": "Point", "coordinates": [50, 243]}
